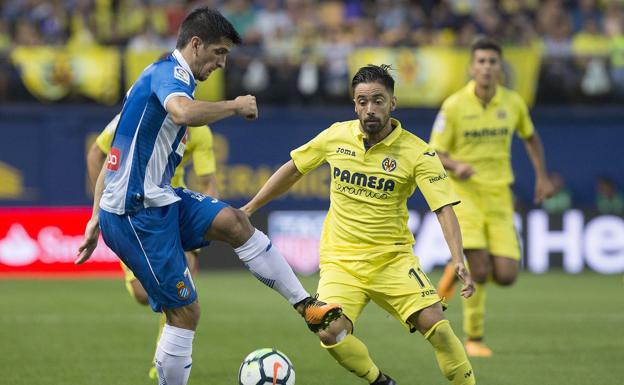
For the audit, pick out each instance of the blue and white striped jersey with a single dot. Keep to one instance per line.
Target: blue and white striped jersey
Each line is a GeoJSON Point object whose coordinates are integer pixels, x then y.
{"type": "Point", "coordinates": [148, 145]}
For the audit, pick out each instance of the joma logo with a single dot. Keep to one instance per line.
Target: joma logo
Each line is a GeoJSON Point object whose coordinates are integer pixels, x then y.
{"type": "Point", "coordinates": [341, 150]}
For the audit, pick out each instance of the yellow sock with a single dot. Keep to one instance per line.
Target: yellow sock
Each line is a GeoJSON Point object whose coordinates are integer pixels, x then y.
{"type": "Point", "coordinates": [474, 313]}
{"type": "Point", "coordinates": [450, 354]}
{"type": "Point", "coordinates": [353, 355]}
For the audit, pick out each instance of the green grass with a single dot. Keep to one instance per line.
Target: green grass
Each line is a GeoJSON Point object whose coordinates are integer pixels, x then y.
{"type": "Point", "coordinates": [550, 329]}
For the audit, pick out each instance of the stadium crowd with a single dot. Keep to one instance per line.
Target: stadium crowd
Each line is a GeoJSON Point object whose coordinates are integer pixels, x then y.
{"type": "Point", "coordinates": [307, 42]}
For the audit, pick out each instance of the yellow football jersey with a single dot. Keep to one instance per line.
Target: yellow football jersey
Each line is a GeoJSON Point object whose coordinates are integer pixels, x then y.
{"type": "Point", "coordinates": [198, 149]}
{"type": "Point", "coordinates": [369, 189]}
{"type": "Point", "coordinates": [481, 136]}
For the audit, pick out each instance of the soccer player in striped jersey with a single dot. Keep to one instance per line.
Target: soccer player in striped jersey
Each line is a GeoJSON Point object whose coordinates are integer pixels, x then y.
{"type": "Point", "coordinates": [366, 248]}
{"type": "Point", "coordinates": [149, 224]}
{"type": "Point", "coordinates": [199, 152]}
{"type": "Point", "coordinates": [472, 135]}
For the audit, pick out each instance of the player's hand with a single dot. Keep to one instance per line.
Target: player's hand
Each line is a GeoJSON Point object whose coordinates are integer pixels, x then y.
{"type": "Point", "coordinates": [468, 287]}
{"type": "Point", "coordinates": [543, 189]}
{"type": "Point", "coordinates": [463, 170]}
{"type": "Point", "coordinates": [246, 106]}
{"type": "Point", "coordinates": [91, 237]}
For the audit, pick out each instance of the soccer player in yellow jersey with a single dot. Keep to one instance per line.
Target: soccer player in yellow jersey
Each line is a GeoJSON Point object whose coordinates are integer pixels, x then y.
{"type": "Point", "coordinates": [199, 152]}
{"type": "Point", "coordinates": [472, 135]}
{"type": "Point", "coordinates": [366, 247]}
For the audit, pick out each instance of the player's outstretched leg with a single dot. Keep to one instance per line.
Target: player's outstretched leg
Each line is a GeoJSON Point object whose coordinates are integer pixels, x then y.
{"type": "Point", "coordinates": [267, 264]}
{"type": "Point", "coordinates": [449, 351]}
{"type": "Point", "coordinates": [351, 353]}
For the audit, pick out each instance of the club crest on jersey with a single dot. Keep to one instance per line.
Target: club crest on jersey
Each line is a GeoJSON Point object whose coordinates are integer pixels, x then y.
{"type": "Point", "coordinates": [114, 159]}
{"type": "Point", "coordinates": [183, 291]}
{"type": "Point", "coordinates": [389, 164]}
{"type": "Point", "coordinates": [501, 114]}
{"type": "Point", "coordinates": [181, 74]}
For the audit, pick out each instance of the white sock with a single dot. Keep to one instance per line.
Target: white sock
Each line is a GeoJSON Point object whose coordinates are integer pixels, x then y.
{"type": "Point", "coordinates": [173, 355]}
{"type": "Point", "coordinates": [267, 264]}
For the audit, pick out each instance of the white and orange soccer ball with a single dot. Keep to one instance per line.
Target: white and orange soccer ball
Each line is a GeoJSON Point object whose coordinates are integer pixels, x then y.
{"type": "Point", "coordinates": [266, 366]}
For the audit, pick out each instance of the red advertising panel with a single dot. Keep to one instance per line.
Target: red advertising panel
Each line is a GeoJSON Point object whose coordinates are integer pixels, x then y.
{"type": "Point", "coordinates": [44, 241]}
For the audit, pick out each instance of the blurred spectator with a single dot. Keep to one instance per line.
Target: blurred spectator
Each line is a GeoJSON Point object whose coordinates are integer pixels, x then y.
{"type": "Point", "coordinates": [269, 19]}
{"type": "Point", "coordinates": [561, 200]}
{"type": "Point", "coordinates": [26, 33]}
{"type": "Point", "coordinates": [614, 27]}
{"type": "Point", "coordinates": [609, 200]}
{"type": "Point", "coordinates": [586, 11]}
{"type": "Point", "coordinates": [242, 15]}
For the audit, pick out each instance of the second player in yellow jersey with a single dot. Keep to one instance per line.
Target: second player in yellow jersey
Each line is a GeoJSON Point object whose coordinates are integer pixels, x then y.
{"type": "Point", "coordinates": [366, 248]}
{"type": "Point", "coordinates": [473, 134]}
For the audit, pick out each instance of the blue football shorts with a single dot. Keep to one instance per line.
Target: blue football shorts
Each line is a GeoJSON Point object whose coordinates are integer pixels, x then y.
{"type": "Point", "coordinates": [152, 242]}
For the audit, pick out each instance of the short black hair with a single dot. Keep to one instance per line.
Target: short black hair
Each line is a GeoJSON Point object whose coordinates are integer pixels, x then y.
{"type": "Point", "coordinates": [207, 24]}
{"type": "Point", "coordinates": [373, 73]}
{"type": "Point", "coordinates": [486, 43]}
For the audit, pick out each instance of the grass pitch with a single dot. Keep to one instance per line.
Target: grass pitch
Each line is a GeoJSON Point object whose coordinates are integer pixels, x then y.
{"type": "Point", "coordinates": [550, 329]}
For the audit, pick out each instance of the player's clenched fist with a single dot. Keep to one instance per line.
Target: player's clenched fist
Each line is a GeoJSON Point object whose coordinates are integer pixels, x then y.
{"type": "Point", "coordinates": [246, 106]}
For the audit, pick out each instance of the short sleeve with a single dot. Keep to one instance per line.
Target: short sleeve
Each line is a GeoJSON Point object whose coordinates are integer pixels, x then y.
{"type": "Point", "coordinates": [442, 131]}
{"type": "Point", "coordinates": [203, 153]}
{"type": "Point", "coordinates": [170, 80]}
{"type": "Point", "coordinates": [433, 181]}
{"type": "Point", "coordinates": [310, 155]}
{"type": "Point", "coordinates": [104, 141]}
{"type": "Point", "coordinates": [525, 126]}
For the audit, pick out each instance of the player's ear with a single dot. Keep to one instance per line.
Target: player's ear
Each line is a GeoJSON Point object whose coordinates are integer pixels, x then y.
{"type": "Point", "coordinates": [195, 43]}
{"type": "Point", "coordinates": [393, 103]}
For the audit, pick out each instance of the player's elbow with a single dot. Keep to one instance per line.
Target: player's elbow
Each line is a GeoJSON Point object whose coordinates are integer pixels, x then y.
{"type": "Point", "coordinates": [179, 117]}
{"type": "Point", "coordinates": [179, 111]}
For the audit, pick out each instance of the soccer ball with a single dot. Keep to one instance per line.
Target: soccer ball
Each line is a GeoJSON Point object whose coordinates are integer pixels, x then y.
{"type": "Point", "coordinates": [266, 366]}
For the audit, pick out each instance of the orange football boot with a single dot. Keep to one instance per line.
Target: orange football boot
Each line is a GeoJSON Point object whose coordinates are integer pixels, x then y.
{"type": "Point", "coordinates": [446, 285]}
{"type": "Point", "coordinates": [477, 348]}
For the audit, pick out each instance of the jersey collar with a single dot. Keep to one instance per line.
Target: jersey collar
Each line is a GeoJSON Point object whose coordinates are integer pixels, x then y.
{"type": "Point", "coordinates": [180, 59]}
{"type": "Point", "coordinates": [388, 140]}
{"type": "Point", "coordinates": [470, 87]}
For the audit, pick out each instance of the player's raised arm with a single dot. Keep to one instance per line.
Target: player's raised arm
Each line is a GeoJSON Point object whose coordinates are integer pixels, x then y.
{"type": "Point", "coordinates": [543, 186]}
{"type": "Point", "coordinates": [280, 182]}
{"type": "Point", "coordinates": [452, 235]}
{"type": "Point", "coordinates": [187, 112]}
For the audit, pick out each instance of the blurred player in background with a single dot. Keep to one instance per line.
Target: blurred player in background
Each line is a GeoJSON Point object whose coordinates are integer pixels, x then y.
{"type": "Point", "coordinates": [366, 246]}
{"type": "Point", "coordinates": [472, 135]}
{"type": "Point", "coordinates": [199, 152]}
{"type": "Point", "coordinates": [149, 224]}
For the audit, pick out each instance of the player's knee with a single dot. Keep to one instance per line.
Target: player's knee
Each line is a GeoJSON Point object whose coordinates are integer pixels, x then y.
{"type": "Point", "coordinates": [185, 317]}
{"type": "Point", "coordinates": [505, 279]}
{"type": "Point", "coordinates": [141, 298]}
{"type": "Point", "coordinates": [238, 229]}
{"type": "Point", "coordinates": [138, 292]}
{"type": "Point", "coordinates": [480, 273]}
{"type": "Point", "coordinates": [336, 331]}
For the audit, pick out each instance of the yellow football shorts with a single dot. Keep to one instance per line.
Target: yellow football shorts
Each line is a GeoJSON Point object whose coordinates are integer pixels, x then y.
{"type": "Point", "coordinates": [485, 216]}
{"type": "Point", "coordinates": [393, 281]}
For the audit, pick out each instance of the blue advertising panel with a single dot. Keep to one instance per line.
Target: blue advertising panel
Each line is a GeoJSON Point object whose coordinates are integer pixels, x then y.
{"type": "Point", "coordinates": [42, 151]}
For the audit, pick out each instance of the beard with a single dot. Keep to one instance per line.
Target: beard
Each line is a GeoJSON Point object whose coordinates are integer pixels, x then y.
{"type": "Point", "coordinates": [373, 125]}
